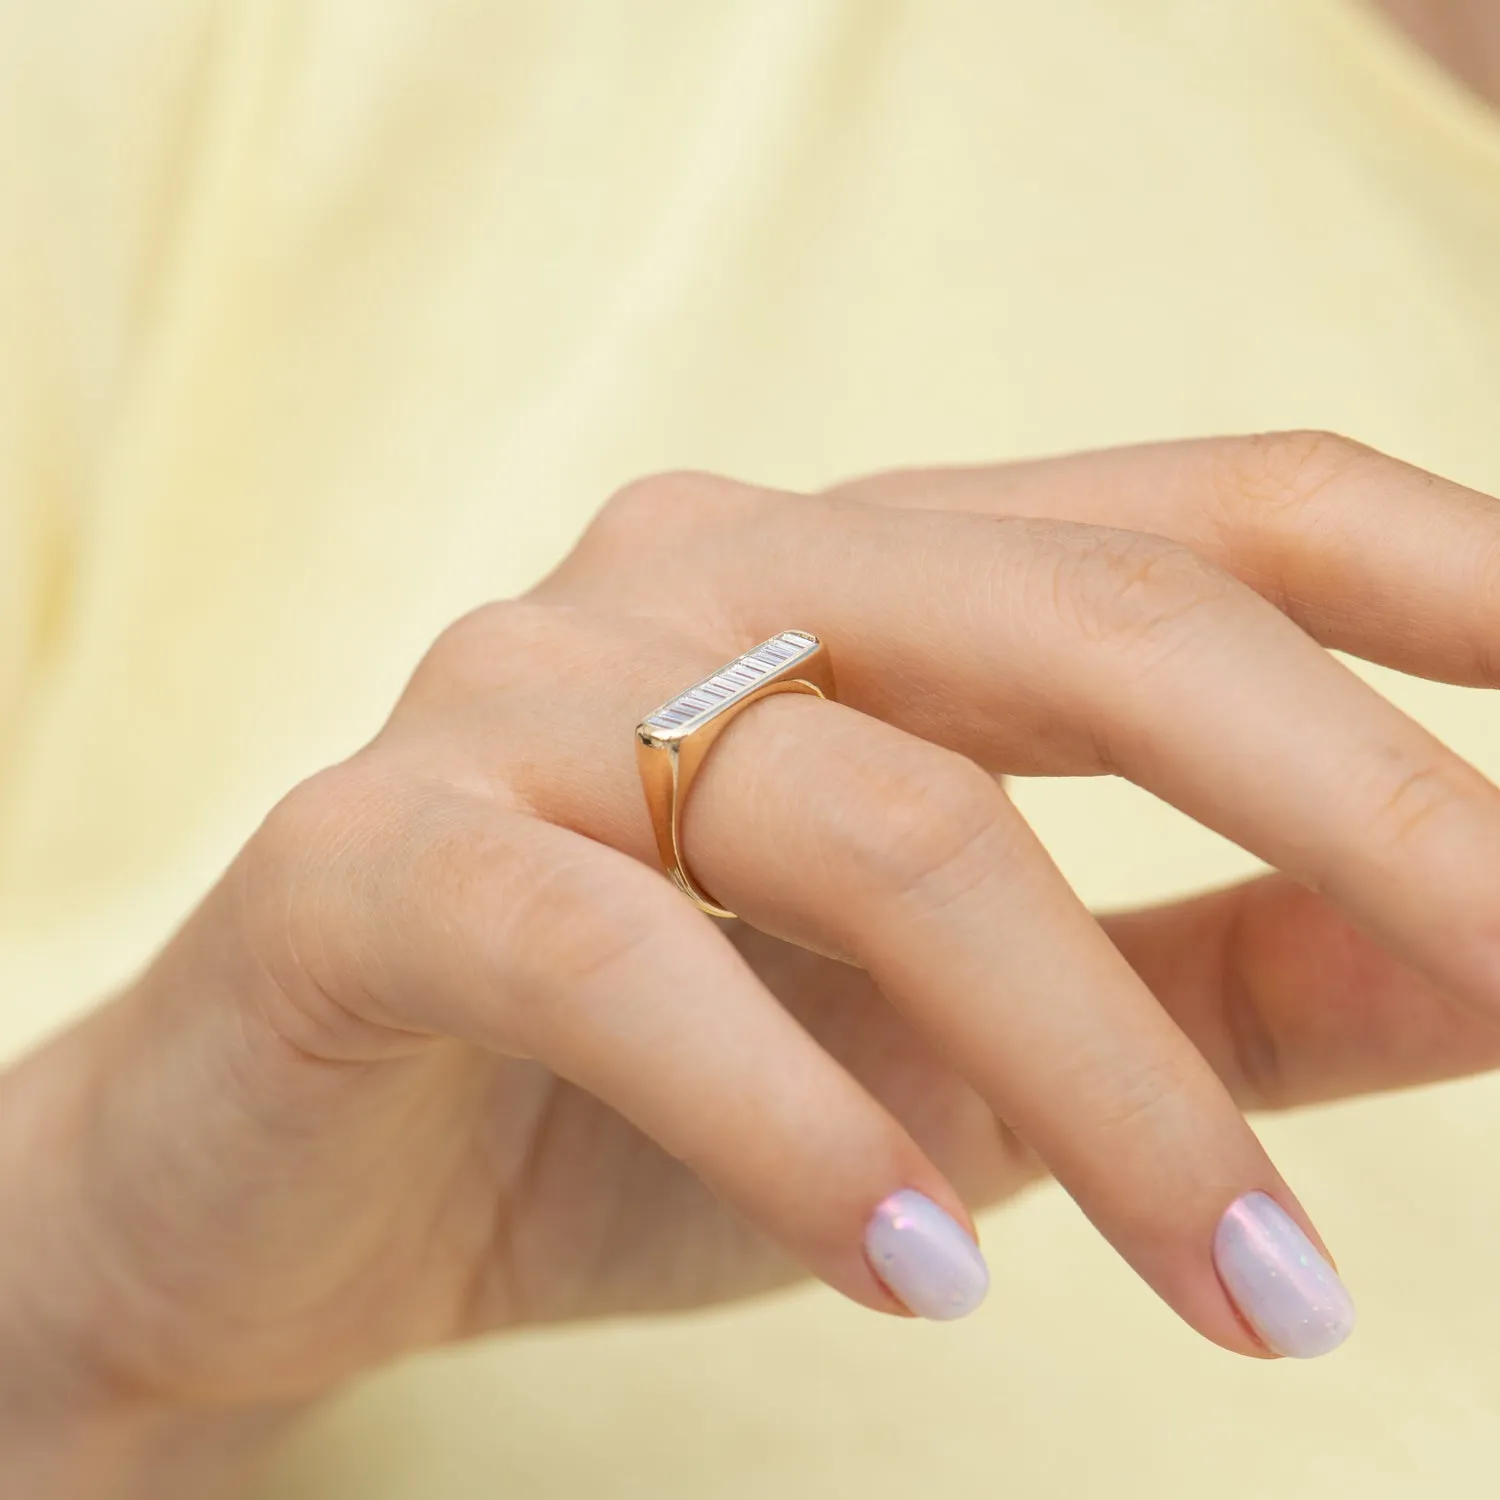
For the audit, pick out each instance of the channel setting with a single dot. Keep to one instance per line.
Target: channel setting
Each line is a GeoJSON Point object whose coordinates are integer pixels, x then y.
{"type": "Point", "coordinates": [672, 740]}
{"type": "Point", "coordinates": [687, 711]}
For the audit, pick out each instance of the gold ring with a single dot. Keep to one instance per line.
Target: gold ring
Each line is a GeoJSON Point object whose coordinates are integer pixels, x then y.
{"type": "Point", "coordinates": [672, 741]}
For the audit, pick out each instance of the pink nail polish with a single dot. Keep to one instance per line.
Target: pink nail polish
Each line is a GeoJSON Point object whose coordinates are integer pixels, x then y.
{"type": "Point", "coordinates": [925, 1257]}
{"type": "Point", "coordinates": [1283, 1287]}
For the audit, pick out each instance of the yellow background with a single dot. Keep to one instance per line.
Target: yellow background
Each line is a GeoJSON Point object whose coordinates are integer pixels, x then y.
{"type": "Point", "coordinates": [320, 322]}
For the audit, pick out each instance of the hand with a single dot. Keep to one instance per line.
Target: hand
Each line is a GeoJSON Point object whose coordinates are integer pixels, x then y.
{"type": "Point", "coordinates": [444, 1053]}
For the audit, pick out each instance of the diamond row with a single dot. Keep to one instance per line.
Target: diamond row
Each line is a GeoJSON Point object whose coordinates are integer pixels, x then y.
{"type": "Point", "coordinates": [742, 674]}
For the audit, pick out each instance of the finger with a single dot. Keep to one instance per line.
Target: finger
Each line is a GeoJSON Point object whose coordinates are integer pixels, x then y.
{"type": "Point", "coordinates": [1293, 1005]}
{"type": "Point", "coordinates": [848, 836]}
{"type": "Point", "coordinates": [842, 1008]}
{"type": "Point", "coordinates": [443, 915]}
{"type": "Point", "coordinates": [1369, 555]}
{"type": "Point", "coordinates": [828, 828]}
{"type": "Point", "coordinates": [1048, 646]}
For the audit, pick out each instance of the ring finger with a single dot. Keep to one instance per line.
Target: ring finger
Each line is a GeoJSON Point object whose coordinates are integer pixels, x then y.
{"type": "Point", "coordinates": [845, 834]}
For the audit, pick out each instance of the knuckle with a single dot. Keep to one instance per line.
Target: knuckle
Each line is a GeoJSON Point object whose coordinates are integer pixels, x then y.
{"type": "Point", "coordinates": [682, 520]}
{"type": "Point", "coordinates": [467, 650]}
{"type": "Point", "coordinates": [918, 824]}
{"type": "Point", "coordinates": [1145, 1100]}
{"type": "Point", "coordinates": [1395, 794]}
{"type": "Point", "coordinates": [318, 814]}
{"type": "Point", "coordinates": [497, 663]}
{"type": "Point", "coordinates": [1409, 797]}
{"type": "Point", "coordinates": [571, 926]}
{"type": "Point", "coordinates": [1267, 473]}
{"type": "Point", "coordinates": [1122, 587]}
{"type": "Point", "coordinates": [641, 512]}
{"type": "Point", "coordinates": [314, 846]}
{"type": "Point", "coordinates": [1484, 640]}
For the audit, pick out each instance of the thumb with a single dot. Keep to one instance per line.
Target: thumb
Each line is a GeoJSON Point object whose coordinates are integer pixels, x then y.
{"type": "Point", "coordinates": [1292, 1004]}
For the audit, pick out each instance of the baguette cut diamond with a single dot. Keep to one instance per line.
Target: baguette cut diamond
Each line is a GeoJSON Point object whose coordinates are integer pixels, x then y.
{"type": "Point", "coordinates": [729, 684]}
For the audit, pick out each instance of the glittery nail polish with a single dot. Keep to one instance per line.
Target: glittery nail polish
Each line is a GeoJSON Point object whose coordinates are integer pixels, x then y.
{"type": "Point", "coordinates": [1282, 1286]}
{"type": "Point", "coordinates": [925, 1257]}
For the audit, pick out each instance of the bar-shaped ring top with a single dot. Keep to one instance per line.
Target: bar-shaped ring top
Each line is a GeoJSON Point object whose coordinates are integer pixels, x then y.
{"type": "Point", "coordinates": [680, 716]}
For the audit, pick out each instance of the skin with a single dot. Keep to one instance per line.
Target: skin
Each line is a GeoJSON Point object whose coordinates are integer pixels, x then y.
{"type": "Point", "coordinates": [1462, 35]}
{"type": "Point", "coordinates": [443, 1053]}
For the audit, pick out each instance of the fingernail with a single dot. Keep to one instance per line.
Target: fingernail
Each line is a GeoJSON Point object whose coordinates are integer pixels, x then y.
{"type": "Point", "coordinates": [1283, 1287]}
{"type": "Point", "coordinates": [925, 1257]}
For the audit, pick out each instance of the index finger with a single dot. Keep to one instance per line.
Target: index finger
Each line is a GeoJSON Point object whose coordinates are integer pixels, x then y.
{"type": "Point", "coordinates": [1054, 647]}
{"type": "Point", "coordinates": [1367, 554]}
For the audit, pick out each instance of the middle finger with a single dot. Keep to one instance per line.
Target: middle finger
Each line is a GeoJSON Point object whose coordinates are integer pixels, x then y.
{"type": "Point", "coordinates": [849, 836]}
{"type": "Point", "coordinates": [1057, 648]}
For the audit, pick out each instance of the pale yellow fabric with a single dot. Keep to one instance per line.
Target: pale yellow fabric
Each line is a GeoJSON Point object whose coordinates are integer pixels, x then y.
{"type": "Point", "coordinates": [320, 322]}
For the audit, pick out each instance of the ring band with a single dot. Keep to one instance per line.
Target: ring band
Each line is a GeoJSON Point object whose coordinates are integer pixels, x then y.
{"type": "Point", "coordinates": [672, 741]}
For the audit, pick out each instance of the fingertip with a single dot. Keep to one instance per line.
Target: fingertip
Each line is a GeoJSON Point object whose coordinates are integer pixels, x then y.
{"type": "Point", "coordinates": [1289, 1295]}
{"type": "Point", "coordinates": [925, 1257]}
